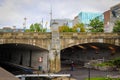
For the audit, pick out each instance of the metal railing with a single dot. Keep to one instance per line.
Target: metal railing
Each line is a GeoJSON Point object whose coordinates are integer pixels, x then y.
{"type": "Point", "coordinates": [22, 77]}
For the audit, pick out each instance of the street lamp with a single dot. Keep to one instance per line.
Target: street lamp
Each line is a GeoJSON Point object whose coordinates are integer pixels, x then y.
{"type": "Point", "coordinates": [24, 24]}
{"type": "Point", "coordinates": [88, 66]}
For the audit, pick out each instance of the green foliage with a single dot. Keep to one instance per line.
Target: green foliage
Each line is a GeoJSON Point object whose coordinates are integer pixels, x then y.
{"type": "Point", "coordinates": [102, 64]}
{"type": "Point", "coordinates": [105, 64]}
{"type": "Point", "coordinates": [96, 24]}
{"type": "Point", "coordinates": [64, 29]}
{"type": "Point", "coordinates": [97, 78]}
{"type": "Point", "coordinates": [116, 62]}
{"type": "Point", "coordinates": [79, 26]}
{"type": "Point", "coordinates": [73, 29]}
{"type": "Point", "coordinates": [102, 78]}
{"type": "Point", "coordinates": [27, 30]}
{"type": "Point", "coordinates": [36, 28]}
{"type": "Point", "coordinates": [116, 27]}
{"type": "Point", "coordinates": [32, 29]}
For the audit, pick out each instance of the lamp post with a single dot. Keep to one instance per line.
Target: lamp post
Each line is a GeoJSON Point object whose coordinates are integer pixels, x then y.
{"type": "Point", "coordinates": [24, 24]}
{"type": "Point", "coordinates": [88, 66]}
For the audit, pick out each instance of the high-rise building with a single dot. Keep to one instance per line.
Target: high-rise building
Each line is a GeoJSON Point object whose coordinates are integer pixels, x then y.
{"type": "Point", "coordinates": [106, 21]}
{"type": "Point", "coordinates": [76, 20]}
{"type": "Point", "coordinates": [114, 14]}
{"type": "Point", "coordinates": [106, 17]}
{"type": "Point", "coordinates": [85, 17]}
{"type": "Point", "coordinates": [110, 17]}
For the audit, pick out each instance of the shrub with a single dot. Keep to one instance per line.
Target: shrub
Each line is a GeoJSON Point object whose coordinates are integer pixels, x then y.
{"type": "Point", "coordinates": [117, 62]}
{"type": "Point", "coordinates": [105, 64]}
{"type": "Point", "coordinates": [97, 78]}
{"type": "Point", "coordinates": [102, 78]}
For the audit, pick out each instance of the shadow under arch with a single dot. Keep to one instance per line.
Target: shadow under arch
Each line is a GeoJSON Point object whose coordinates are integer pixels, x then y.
{"type": "Point", "coordinates": [82, 53]}
{"type": "Point", "coordinates": [22, 54]}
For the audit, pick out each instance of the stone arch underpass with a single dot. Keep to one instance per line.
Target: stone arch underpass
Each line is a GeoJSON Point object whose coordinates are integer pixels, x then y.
{"type": "Point", "coordinates": [24, 54]}
{"type": "Point", "coordinates": [82, 53]}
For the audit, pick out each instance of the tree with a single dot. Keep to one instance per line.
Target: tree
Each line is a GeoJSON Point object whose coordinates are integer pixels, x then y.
{"type": "Point", "coordinates": [32, 29]}
{"type": "Point", "coordinates": [116, 27]}
{"type": "Point", "coordinates": [36, 28]}
{"type": "Point", "coordinates": [79, 27]}
{"type": "Point", "coordinates": [27, 30]}
{"type": "Point", "coordinates": [65, 28]}
{"type": "Point", "coordinates": [96, 24]}
{"type": "Point", "coordinates": [116, 62]}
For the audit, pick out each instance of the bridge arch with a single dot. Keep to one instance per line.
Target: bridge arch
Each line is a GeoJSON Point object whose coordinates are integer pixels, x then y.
{"type": "Point", "coordinates": [82, 53]}
{"type": "Point", "coordinates": [24, 54]}
{"type": "Point", "coordinates": [71, 39]}
{"type": "Point", "coordinates": [41, 40]}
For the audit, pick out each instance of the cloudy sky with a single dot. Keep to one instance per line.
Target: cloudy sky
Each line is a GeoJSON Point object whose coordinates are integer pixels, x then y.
{"type": "Point", "coordinates": [13, 12]}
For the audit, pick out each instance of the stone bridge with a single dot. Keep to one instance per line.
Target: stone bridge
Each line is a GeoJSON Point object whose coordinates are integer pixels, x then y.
{"type": "Point", "coordinates": [44, 40]}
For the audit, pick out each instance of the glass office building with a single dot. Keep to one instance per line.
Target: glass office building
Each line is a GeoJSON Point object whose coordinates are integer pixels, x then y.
{"type": "Point", "coordinates": [85, 17]}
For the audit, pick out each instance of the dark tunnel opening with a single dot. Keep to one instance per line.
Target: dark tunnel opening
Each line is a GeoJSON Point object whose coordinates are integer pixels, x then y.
{"type": "Point", "coordinates": [19, 58]}
{"type": "Point", "coordinates": [82, 53]}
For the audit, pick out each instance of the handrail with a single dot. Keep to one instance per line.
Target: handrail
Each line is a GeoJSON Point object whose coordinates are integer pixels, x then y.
{"type": "Point", "coordinates": [23, 76]}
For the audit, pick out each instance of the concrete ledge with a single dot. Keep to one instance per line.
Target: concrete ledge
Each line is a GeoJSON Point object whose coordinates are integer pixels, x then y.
{"type": "Point", "coordinates": [5, 75]}
{"type": "Point", "coordinates": [44, 75]}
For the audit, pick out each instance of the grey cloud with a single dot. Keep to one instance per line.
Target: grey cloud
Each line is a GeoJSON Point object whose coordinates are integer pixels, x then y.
{"type": "Point", "coordinates": [13, 11]}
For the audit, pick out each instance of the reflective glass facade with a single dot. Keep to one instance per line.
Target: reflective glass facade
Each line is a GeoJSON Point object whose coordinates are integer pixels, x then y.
{"type": "Point", "coordinates": [85, 17]}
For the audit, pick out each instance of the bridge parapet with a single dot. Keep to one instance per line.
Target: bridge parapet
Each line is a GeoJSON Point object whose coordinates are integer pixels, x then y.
{"type": "Point", "coordinates": [39, 39]}
{"type": "Point", "coordinates": [89, 35]}
{"type": "Point", "coordinates": [62, 35]}
{"type": "Point", "coordinates": [67, 39]}
{"type": "Point", "coordinates": [25, 35]}
{"type": "Point", "coordinates": [70, 39]}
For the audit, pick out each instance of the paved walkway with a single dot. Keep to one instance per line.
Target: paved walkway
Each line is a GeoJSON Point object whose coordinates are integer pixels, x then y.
{"type": "Point", "coordinates": [82, 73]}
{"type": "Point", "coordinates": [5, 75]}
{"type": "Point", "coordinates": [77, 74]}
